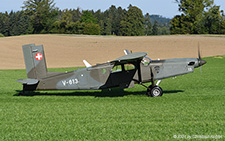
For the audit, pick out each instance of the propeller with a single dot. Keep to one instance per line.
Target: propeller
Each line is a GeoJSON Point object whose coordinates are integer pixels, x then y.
{"type": "Point", "coordinates": [200, 61]}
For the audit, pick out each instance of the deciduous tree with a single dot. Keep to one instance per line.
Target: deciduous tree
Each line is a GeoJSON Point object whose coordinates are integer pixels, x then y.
{"type": "Point", "coordinates": [198, 17]}
{"type": "Point", "coordinates": [133, 23]}
{"type": "Point", "coordinates": [147, 25]}
{"type": "Point", "coordinates": [42, 14]}
{"type": "Point", "coordinates": [155, 30]}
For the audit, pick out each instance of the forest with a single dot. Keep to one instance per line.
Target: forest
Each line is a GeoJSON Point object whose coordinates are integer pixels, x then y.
{"type": "Point", "coordinates": [198, 17]}
{"type": "Point", "coordinates": [43, 17]}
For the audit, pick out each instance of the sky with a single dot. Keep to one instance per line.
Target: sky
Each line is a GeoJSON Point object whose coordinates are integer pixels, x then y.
{"type": "Point", "coordinates": [166, 8]}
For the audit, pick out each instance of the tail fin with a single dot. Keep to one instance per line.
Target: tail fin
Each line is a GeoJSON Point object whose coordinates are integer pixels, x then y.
{"type": "Point", "coordinates": [35, 61]}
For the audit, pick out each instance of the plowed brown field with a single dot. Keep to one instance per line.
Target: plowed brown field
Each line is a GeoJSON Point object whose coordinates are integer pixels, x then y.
{"type": "Point", "coordinates": [69, 51]}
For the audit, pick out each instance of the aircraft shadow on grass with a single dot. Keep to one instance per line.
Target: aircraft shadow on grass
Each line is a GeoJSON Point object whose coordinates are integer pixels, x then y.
{"type": "Point", "coordinates": [105, 93]}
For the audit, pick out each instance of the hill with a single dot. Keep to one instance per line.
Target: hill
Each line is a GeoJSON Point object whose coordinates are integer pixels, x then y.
{"type": "Point", "coordinates": [163, 21]}
{"type": "Point", "coordinates": [69, 51]}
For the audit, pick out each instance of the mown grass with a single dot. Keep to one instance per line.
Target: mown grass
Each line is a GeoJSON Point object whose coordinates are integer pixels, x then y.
{"type": "Point", "coordinates": [192, 105]}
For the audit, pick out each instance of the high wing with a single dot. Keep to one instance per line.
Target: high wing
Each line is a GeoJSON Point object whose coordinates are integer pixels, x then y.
{"type": "Point", "coordinates": [133, 57]}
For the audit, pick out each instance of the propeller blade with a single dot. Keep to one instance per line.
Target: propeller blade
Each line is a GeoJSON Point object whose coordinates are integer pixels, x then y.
{"type": "Point", "coordinates": [199, 54]}
{"type": "Point", "coordinates": [201, 62]}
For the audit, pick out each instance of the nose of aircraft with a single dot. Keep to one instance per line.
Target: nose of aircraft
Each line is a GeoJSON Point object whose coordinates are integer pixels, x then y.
{"type": "Point", "coordinates": [202, 62]}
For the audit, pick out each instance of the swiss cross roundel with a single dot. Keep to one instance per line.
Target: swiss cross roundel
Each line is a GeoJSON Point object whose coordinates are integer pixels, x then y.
{"type": "Point", "coordinates": [38, 56]}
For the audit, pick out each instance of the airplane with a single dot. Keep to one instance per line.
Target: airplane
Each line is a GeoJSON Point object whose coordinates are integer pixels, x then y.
{"type": "Point", "coordinates": [123, 72]}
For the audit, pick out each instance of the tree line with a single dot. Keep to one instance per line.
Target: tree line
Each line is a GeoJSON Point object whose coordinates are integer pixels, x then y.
{"type": "Point", "coordinates": [198, 17]}
{"type": "Point", "coordinates": [42, 17]}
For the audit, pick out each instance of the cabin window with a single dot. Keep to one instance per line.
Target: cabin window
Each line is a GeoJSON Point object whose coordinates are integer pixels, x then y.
{"type": "Point", "coordinates": [117, 68]}
{"type": "Point", "coordinates": [103, 71]}
{"type": "Point", "coordinates": [128, 67]}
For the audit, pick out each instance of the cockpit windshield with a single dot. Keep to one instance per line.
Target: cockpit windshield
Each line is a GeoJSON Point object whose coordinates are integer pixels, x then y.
{"type": "Point", "coordinates": [146, 61]}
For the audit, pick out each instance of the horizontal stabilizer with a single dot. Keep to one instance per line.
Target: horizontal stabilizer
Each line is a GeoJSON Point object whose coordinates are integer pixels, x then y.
{"type": "Point", "coordinates": [28, 81]}
{"type": "Point", "coordinates": [86, 64]}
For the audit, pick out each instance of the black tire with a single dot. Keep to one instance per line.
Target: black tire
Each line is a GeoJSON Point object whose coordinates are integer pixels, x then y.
{"type": "Point", "coordinates": [156, 91]}
{"type": "Point", "coordinates": [148, 93]}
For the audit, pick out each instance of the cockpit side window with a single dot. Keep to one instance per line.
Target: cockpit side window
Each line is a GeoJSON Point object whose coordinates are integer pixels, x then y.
{"type": "Point", "coordinates": [123, 67]}
{"type": "Point", "coordinates": [117, 68]}
{"type": "Point", "coordinates": [128, 67]}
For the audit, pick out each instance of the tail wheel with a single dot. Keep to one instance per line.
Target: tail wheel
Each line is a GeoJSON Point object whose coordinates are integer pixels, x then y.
{"type": "Point", "coordinates": [155, 91]}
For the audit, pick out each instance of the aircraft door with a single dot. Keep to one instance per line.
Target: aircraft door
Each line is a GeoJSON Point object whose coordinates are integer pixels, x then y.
{"type": "Point", "coordinates": [122, 75]}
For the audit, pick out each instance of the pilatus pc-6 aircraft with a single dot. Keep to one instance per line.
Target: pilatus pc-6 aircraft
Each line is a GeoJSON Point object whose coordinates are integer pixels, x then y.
{"type": "Point", "coordinates": [124, 72]}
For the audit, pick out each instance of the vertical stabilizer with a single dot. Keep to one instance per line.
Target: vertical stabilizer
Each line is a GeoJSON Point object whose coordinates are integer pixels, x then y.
{"type": "Point", "coordinates": [35, 61]}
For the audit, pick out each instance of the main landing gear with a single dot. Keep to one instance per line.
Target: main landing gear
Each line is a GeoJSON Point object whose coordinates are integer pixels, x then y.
{"type": "Point", "coordinates": [154, 91]}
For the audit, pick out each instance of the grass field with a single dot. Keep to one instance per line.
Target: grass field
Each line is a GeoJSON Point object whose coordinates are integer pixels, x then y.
{"type": "Point", "coordinates": [192, 107]}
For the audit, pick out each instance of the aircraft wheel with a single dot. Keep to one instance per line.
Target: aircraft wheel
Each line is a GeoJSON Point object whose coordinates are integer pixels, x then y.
{"type": "Point", "coordinates": [155, 91]}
